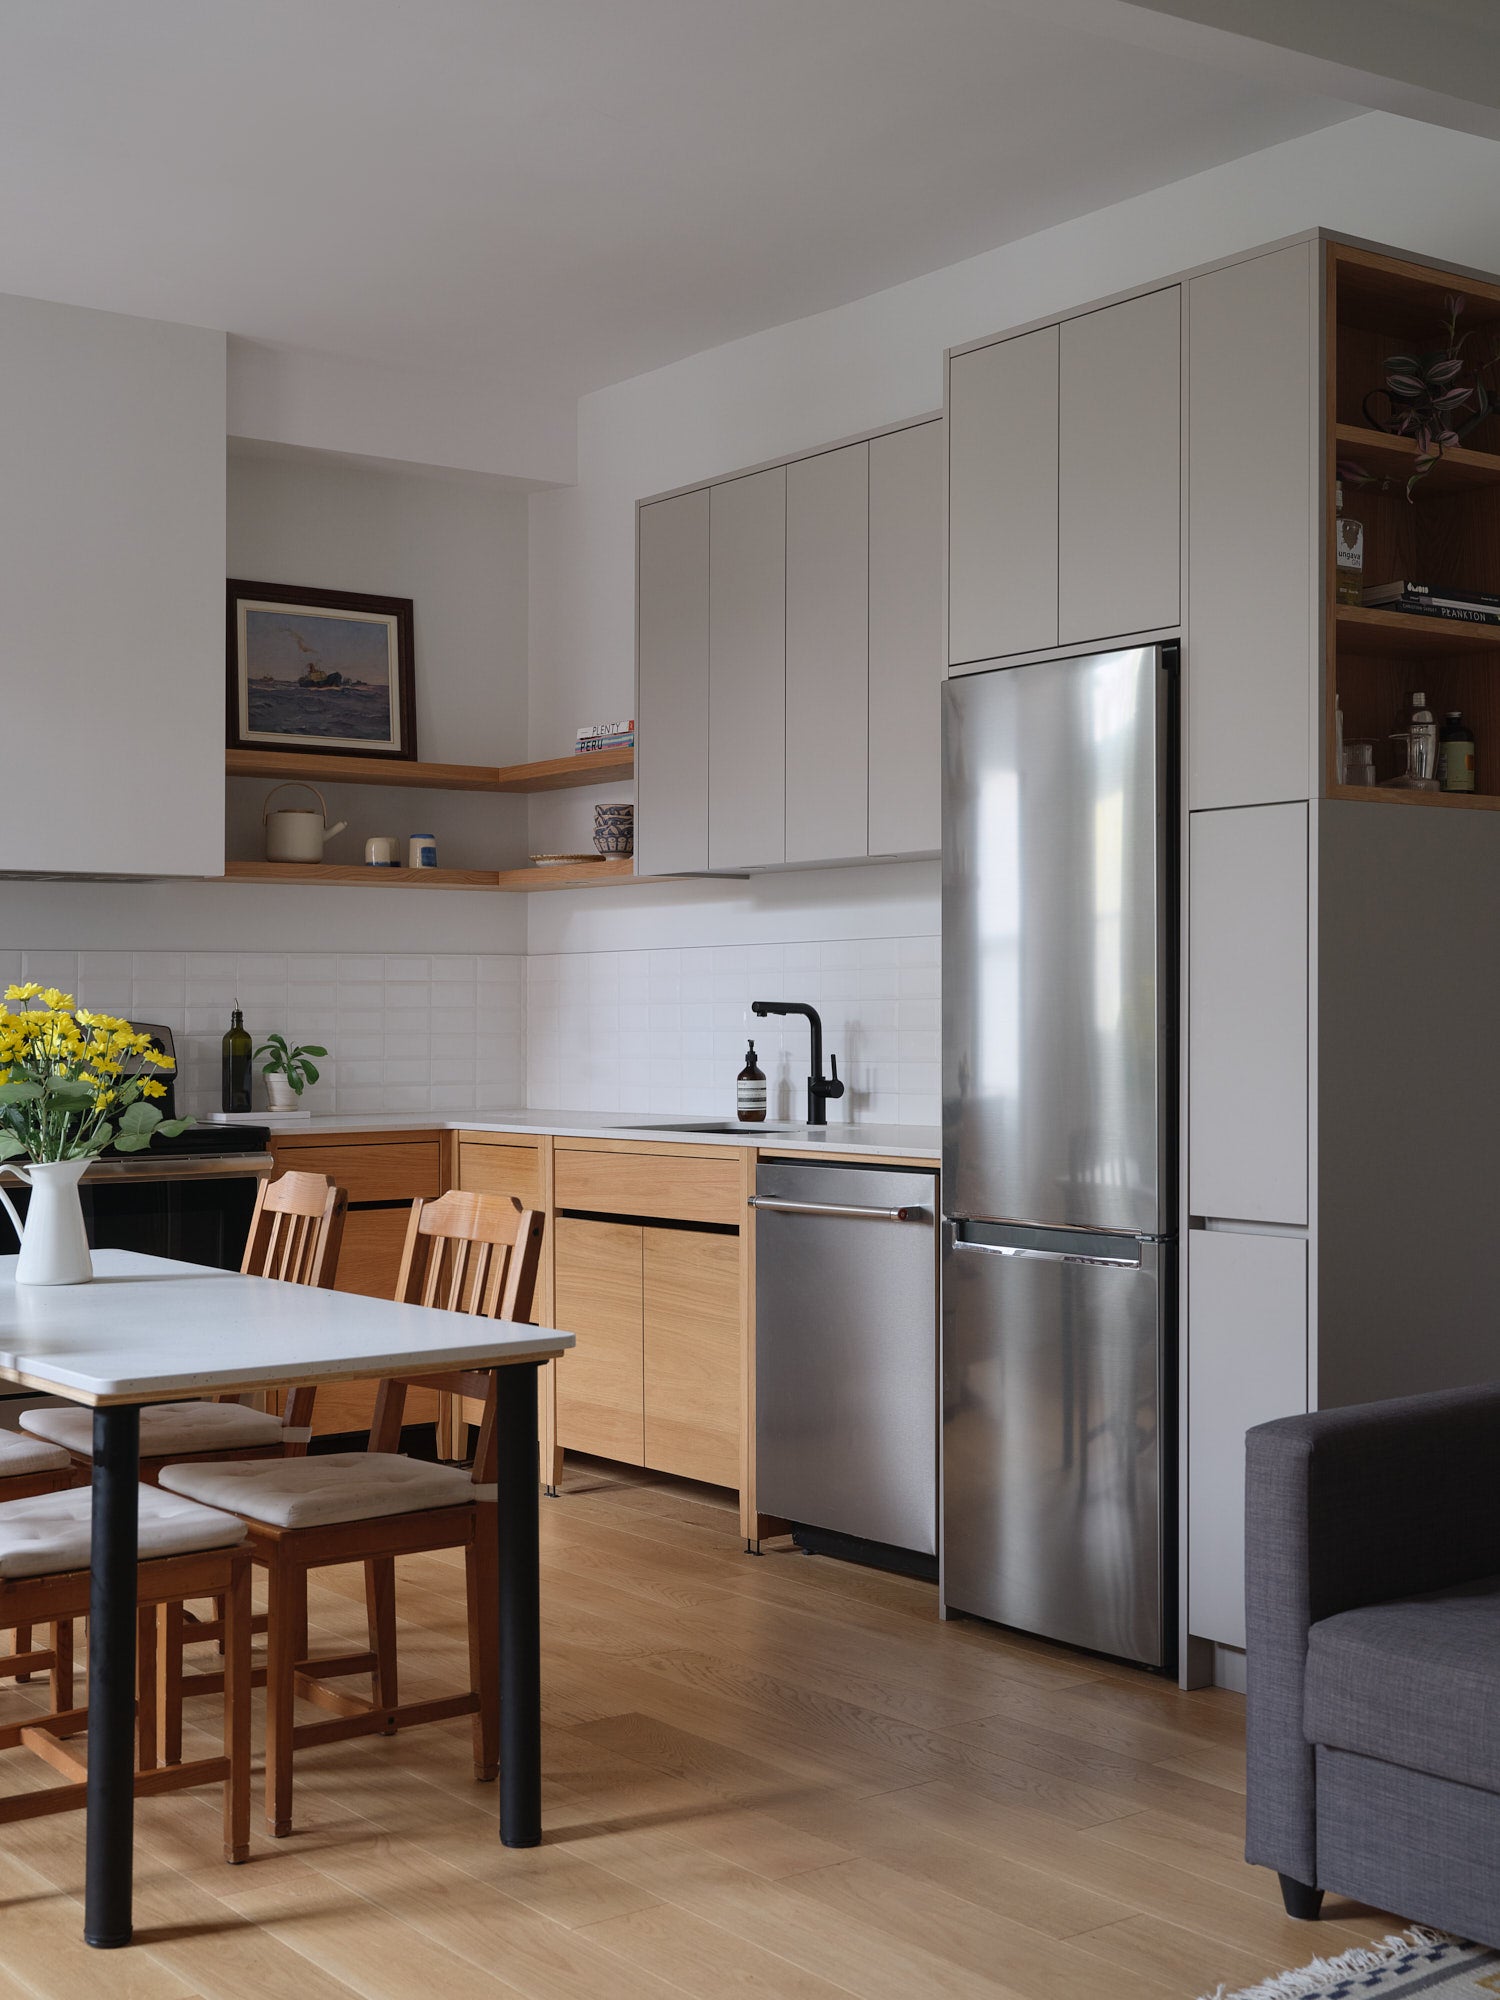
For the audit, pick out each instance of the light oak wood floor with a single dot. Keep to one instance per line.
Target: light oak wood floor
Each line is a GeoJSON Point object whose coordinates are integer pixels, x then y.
{"type": "Point", "coordinates": [766, 1777]}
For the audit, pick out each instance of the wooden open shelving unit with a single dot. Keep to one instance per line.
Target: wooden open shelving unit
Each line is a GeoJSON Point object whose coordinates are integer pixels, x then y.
{"type": "Point", "coordinates": [1448, 533]}
{"type": "Point", "coordinates": [549, 774]}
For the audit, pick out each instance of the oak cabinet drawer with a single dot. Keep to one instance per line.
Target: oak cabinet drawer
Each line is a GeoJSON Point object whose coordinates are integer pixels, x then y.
{"type": "Point", "coordinates": [681, 1187]}
{"type": "Point", "coordinates": [486, 1168]}
{"type": "Point", "coordinates": [383, 1172]}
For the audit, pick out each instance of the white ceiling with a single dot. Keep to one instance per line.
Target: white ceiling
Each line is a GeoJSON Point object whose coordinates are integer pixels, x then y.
{"type": "Point", "coordinates": [564, 193]}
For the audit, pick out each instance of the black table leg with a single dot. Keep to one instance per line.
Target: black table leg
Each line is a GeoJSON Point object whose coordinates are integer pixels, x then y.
{"type": "Point", "coordinates": [520, 1606]}
{"type": "Point", "coordinates": [112, 1611]}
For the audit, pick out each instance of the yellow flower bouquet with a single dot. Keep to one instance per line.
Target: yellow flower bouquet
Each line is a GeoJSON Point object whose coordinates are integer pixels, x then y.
{"type": "Point", "coordinates": [71, 1082]}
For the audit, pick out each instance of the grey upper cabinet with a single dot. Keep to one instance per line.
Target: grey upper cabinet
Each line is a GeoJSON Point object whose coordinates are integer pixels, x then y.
{"type": "Point", "coordinates": [112, 564]}
{"type": "Point", "coordinates": [1120, 468]}
{"type": "Point", "coordinates": [1248, 1008]}
{"type": "Point", "coordinates": [747, 671]}
{"type": "Point", "coordinates": [906, 655]}
{"type": "Point", "coordinates": [827, 655]}
{"type": "Point", "coordinates": [1253, 439]}
{"type": "Point", "coordinates": [1002, 498]}
{"type": "Point", "coordinates": [672, 685]}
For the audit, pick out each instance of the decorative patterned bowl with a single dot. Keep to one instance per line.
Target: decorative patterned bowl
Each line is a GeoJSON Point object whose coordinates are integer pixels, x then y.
{"type": "Point", "coordinates": [614, 829]}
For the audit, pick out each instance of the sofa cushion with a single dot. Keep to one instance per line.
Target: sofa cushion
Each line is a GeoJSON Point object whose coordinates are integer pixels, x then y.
{"type": "Point", "coordinates": [314, 1492]}
{"type": "Point", "coordinates": [167, 1428]}
{"type": "Point", "coordinates": [1415, 1682]}
{"type": "Point", "coordinates": [49, 1533]}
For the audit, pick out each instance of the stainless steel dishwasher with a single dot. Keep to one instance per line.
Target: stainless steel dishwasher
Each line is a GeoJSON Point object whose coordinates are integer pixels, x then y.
{"type": "Point", "coordinates": [846, 1351]}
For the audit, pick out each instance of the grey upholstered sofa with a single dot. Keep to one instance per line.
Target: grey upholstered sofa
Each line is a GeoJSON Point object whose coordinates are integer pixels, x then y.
{"type": "Point", "coordinates": [1373, 1628]}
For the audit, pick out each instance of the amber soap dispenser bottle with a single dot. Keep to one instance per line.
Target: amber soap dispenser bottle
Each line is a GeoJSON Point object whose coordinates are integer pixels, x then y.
{"type": "Point", "coordinates": [750, 1091]}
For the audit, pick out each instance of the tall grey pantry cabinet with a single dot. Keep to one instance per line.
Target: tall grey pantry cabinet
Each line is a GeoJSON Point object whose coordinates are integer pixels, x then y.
{"type": "Point", "coordinates": [112, 564]}
{"type": "Point", "coordinates": [788, 657]}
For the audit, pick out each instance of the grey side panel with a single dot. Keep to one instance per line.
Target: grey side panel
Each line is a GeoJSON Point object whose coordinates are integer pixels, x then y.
{"type": "Point", "coordinates": [672, 685]}
{"type": "Point", "coordinates": [1052, 1447]}
{"type": "Point", "coordinates": [1054, 849]}
{"type": "Point", "coordinates": [1408, 1096]}
{"type": "Point", "coordinates": [1248, 1014]}
{"type": "Point", "coordinates": [846, 1356]}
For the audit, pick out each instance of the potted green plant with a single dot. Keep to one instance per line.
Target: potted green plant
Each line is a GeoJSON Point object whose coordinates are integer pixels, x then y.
{"type": "Point", "coordinates": [287, 1070]}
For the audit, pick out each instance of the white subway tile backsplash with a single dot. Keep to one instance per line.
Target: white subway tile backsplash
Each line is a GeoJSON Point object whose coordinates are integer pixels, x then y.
{"type": "Point", "coordinates": [670, 1037]}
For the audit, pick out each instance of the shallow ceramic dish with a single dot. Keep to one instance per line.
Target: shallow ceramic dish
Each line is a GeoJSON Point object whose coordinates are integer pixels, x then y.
{"type": "Point", "coordinates": [561, 860]}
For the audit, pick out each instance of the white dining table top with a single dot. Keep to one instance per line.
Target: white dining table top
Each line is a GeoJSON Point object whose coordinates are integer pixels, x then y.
{"type": "Point", "coordinates": [149, 1328]}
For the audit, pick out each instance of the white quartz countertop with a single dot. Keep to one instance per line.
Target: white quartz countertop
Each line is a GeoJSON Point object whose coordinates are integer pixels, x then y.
{"type": "Point", "coordinates": [921, 1142]}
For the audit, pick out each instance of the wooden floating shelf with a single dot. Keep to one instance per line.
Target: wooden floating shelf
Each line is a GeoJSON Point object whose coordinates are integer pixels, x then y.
{"type": "Point", "coordinates": [330, 875]}
{"type": "Point", "coordinates": [1389, 795]}
{"type": "Point", "coordinates": [1408, 634]}
{"type": "Point", "coordinates": [551, 774]}
{"type": "Point", "coordinates": [1394, 456]}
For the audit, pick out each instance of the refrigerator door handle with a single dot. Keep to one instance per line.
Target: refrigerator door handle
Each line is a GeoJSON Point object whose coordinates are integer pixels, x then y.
{"type": "Point", "coordinates": [1050, 1245]}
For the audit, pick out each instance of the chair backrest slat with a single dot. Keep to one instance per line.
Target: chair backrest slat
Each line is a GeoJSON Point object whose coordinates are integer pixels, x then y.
{"type": "Point", "coordinates": [493, 1251]}
{"type": "Point", "coordinates": [296, 1232]}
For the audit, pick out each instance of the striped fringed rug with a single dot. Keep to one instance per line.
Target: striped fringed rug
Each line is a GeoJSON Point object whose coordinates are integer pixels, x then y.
{"type": "Point", "coordinates": [1418, 1961]}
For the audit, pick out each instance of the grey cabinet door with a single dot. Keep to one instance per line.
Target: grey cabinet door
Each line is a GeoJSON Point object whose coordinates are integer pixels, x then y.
{"type": "Point", "coordinates": [906, 649]}
{"type": "Point", "coordinates": [1246, 1365]}
{"type": "Point", "coordinates": [747, 671]}
{"type": "Point", "coordinates": [1002, 498]}
{"type": "Point", "coordinates": [672, 685]}
{"type": "Point", "coordinates": [827, 655]}
{"type": "Point", "coordinates": [1120, 468]}
{"type": "Point", "coordinates": [1252, 651]}
{"type": "Point", "coordinates": [1248, 1005]}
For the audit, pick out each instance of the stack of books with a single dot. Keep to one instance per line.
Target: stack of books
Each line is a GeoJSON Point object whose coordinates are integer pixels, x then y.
{"type": "Point", "coordinates": [607, 736]}
{"type": "Point", "coordinates": [1435, 600]}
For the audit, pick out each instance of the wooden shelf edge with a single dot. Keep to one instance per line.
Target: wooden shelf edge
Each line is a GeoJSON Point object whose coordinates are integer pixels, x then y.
{"type": "Point", "coordinates": [1388, 795]}
{"type": "Point", "coordinates": [329, 875]}
{"type": "Point", "coordinates": [549, 774]}
{"type": "Point", "coordinates": [1409, 631]}
{"type": "Point", "coordinates": [1458, 466]}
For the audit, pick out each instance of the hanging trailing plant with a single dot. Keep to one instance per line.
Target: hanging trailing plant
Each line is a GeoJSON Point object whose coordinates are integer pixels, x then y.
{"type": "Point", "coordinates": [1427, 398]}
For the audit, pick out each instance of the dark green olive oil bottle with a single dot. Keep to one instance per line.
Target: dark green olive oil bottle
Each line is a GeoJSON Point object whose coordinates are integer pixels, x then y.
{"type": "Point", "coordinates": [235, 1091]}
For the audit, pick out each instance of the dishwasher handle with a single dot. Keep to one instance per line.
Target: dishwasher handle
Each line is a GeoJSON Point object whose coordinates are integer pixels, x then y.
{"type": "Point", "coordinates": [780, 1207]}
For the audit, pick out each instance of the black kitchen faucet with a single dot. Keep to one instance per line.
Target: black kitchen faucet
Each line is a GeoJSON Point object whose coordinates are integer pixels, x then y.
{"type": "Point", "coordinates": [819, 1087]}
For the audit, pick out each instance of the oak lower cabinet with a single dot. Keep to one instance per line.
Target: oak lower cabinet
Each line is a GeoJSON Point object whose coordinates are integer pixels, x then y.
{"type": "Point", "coordinates": [648, 1272]}
{"type": "Point", "coordinates": [382, 1173]}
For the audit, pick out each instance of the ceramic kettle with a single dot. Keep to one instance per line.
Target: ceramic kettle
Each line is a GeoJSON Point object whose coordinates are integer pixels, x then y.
{"type": "Point", "coordinates": [297, 833]}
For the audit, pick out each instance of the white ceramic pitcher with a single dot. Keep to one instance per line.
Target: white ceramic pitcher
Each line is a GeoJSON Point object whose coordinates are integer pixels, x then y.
{"type": "Point", "coordinates": [54, 1243]}
{"type": "Point", "coordinates": [297, 833]}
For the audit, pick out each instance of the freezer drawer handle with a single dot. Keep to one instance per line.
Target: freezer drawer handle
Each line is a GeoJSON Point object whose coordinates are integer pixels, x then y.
{"type": "Point", "coordinates": [836, 1208]}
{"type": "Point", "coordinates": [1122, 1263]}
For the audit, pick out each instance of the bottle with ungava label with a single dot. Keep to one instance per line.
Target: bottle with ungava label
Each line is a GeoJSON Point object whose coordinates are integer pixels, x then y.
{"type": "Point", "coordinates": [750, 1091]}
{"type": "Point", "coordinates": [1349, 553]}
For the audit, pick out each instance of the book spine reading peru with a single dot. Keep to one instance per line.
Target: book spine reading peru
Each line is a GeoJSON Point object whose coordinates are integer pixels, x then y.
{"type": "Point", "coordinates": [606, 736]}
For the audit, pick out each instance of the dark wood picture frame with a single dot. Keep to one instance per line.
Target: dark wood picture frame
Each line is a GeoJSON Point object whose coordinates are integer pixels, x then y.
{"type": "Point", "coordinates": [403, 678]}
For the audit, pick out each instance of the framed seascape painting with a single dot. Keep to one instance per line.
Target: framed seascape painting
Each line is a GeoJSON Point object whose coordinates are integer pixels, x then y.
{"type": "Point", "coordinates": [320, 670]}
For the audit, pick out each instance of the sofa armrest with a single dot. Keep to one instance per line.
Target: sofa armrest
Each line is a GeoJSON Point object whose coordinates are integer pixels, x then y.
{"type": "Point", "coordinates": [1344, 1508]}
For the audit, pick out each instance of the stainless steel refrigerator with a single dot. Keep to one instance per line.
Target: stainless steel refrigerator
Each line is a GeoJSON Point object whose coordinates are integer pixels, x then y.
{"type": "Point", "coordinates": [1059, 1133]}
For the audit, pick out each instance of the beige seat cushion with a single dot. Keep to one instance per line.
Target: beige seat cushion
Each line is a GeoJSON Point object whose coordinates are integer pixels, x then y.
{"type": "Point", "coordinates": [24, 1457]}
{"type": "Point", "coordinates": [313, 1492]}
{"type": "Point", "coordinates": [166, 1428]}
{"type": "Point", "coordinates": [48, 1533]}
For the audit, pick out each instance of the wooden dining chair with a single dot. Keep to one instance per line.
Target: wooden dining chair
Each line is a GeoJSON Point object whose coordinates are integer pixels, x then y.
{"type": "Point", "coordinates": [469, 1253]}
{"type": "Point", "coordinates": [185, 1551]}
{"type": "Point", "coordinates": [28, 1466]}
{"type": "Point", "coordinates": [296, 1232]}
